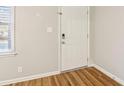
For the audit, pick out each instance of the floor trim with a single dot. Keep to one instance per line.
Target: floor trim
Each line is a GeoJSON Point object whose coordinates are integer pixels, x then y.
{"type": "Point", "coordinates": [74, 69]}
{"type": "Point", "coordinates": [107, 73]}
{"type": "Point", "coordinates": [7, 82]}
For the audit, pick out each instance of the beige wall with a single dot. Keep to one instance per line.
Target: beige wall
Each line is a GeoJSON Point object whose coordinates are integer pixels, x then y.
{"type": "Point", "coordinates": [107, 38]}
{"type": "Point", "coordinates": [37, 49]}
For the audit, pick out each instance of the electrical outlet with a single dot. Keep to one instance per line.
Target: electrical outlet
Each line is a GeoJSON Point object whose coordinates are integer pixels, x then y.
{"type": "Point", "coordinates": [20, 69]}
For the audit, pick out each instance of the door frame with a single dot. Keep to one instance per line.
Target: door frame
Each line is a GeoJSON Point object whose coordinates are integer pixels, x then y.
{"type": "Point", "coordinates": [59, 38]}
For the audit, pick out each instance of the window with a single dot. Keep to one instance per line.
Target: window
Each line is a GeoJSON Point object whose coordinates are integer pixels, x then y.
{"type": "Point", "coordinates": [6, 29]}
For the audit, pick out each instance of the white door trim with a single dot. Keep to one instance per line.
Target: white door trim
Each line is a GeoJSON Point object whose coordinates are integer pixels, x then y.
{"type": "Point", "coordinates": [88, 33]}
{"type": "Point", "coordinates": [59, 39]}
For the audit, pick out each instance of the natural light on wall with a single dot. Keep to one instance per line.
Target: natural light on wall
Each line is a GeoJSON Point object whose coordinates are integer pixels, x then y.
{"type": "Point", "coordinates": [6, 30]}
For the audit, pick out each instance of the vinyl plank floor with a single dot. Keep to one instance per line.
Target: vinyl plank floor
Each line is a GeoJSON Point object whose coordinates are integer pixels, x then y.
{"type": "Point", "coordinates": [89, 76]}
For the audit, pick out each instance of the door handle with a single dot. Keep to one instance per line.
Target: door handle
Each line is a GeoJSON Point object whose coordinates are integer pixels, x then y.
{"type": "Point", "coordinates": [63, 36]}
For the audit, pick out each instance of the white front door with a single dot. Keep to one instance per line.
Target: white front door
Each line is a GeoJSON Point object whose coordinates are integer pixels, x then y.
{"type": "Point", "coordinates": [74, 26]}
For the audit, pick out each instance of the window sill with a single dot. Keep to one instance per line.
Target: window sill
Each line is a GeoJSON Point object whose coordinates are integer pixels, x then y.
{"type": "Point", "coordinates": [8, 54]}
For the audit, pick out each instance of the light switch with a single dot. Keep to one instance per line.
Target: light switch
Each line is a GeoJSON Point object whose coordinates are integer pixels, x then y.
{"type": "Point", "coordinates": [49, 29]}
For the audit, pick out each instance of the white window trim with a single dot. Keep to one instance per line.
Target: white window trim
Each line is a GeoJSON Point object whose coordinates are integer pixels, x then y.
{"type": "Point", "coordinates": [13, 49]}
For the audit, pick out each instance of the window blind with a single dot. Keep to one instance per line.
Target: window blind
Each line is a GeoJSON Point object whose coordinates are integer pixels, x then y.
{"type": "Point", "coordinates": [5, 28]}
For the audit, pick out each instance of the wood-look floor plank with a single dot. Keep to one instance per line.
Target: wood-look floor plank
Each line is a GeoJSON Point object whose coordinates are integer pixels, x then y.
{"type": "Point", "coordinates": [106, 77]}
{"type": "Point", "coordinates": [38, 82]}
{"type": "Point", "coordinates": [46, 81]}
{"type": "Point", "coordinates": [91, 78]}
{"type": "Point", "coordinates": [99, 77]}
{"type": "Point", "coordinates": [62, 80]}
{"type": "Point", "coordinates": [83, 77]}
{"type": "Point", "coordinates": [69, 79]}
{"type": "Point", "coordinates": [57, 81]}
{"type": "Point", "coordinates": [73, 79]}
{"type": "Point", "coordinates": [66, 79]}
{"type": "Point", "coordinates": [31, 83]}
{"type": "Point", "coordinates": [52, 80]}
{"type": "Point", "coordinates": [77, 77]}
{"type": "Point", "coordinates": [25, 83]}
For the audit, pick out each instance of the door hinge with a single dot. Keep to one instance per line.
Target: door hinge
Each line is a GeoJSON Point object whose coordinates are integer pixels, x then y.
{"type": "Point", "coordinates": [87, 12]}
{"type": "Point", "coordinates": [60, 13]}
{"type": "Point", "coordinates": [87, 36]}
{"type": "Point", "coordinates": [87, 59]}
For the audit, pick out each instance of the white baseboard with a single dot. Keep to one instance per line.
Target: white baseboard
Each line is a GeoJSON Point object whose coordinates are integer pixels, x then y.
{"type": "Point", "coordinates": [7, 82]}
{"type": "Point", "coordinates": [107, 73]}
